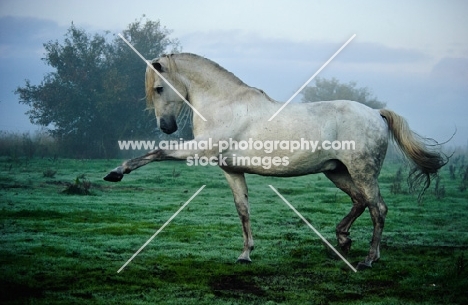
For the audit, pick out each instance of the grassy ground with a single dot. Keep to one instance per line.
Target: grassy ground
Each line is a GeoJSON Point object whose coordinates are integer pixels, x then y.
{"type": "Point", "coordinates": [57, 248]}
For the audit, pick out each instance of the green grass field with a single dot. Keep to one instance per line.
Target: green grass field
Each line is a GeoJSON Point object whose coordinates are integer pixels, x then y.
{"type": "Point", "coordinates": [59, 248]}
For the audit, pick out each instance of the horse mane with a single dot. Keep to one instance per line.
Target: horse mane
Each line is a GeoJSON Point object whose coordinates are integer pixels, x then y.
{"type": "Point", "coordinates": [213, 65]}
{"type": "Point", "coordinates": [172, 70]}
{"type": "Point", "coordinates": [149, 90]}
{"type": "Point", "coordinates": [223, 71]}
{"type": "Point", "coordinates": [150, 77]}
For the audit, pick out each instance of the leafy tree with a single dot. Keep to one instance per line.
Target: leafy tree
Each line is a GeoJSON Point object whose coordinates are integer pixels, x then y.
{"type": "Point", "coordinates": [329, 90]}
{"type": "Point", "coordinates": [95, 95]}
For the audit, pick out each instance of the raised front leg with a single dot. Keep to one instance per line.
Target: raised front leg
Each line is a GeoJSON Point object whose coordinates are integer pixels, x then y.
{"type": "Point", "coordinates": [117, 173]}
{"type": "Point", "coordinates": [241, 199]}
{"type": "Point", "coordinates": [189, 148]}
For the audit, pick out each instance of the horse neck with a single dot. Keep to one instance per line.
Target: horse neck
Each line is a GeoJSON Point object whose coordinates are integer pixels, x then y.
{"type": "Point", "coordinates": [206, 81]}
{"type": "Point", "coordinates": [211, 87]}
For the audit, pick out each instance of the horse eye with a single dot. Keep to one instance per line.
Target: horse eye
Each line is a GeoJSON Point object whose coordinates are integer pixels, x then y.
{"type": "Point", "coordinates": [159, 90]}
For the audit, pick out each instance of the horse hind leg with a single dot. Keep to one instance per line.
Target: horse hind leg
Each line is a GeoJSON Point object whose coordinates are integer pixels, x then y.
{"type": "Point", "coordinates": [343, 181]}
{"type": "Point", "coordinates": [378, 211]}
{"type": "Point", "coordinates": [369, 196]}
{"type": "Point", "coordinates": [240, 194]}
{"type": "Point", "coordinates": [363, 188]}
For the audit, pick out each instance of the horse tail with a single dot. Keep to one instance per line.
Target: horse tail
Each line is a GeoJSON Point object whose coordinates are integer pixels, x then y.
{"type": "Point", "coordinates": [426, 162]}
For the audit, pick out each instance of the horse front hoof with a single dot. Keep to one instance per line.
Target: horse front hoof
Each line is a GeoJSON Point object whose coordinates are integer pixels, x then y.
{"type": "Point", "coordinates": [113, 176]}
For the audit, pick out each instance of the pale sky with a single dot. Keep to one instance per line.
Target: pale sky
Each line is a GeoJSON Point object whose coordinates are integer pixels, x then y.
{"type": "Point", "coordinates": [435, 26]}
{"type": "Point", "coordinates": [412, 54]}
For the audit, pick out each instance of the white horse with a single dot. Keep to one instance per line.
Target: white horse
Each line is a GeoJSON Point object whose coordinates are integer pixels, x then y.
{"type": "Point", "coordinates": [236, 112]}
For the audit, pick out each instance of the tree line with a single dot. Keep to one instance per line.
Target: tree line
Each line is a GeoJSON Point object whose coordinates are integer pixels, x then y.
{"type": "Point", "coordinates": [95, 94]}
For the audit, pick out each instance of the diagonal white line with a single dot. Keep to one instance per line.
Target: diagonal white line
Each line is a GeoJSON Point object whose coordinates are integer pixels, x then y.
{"type": "Point", "coordinates": [312, 77]}
{"type": "Point", "coordinates": [160, 229]}
{"type": "Point", "coordinates": [313, 229]}
{"type": "Point", "coordinates": [162, 77]}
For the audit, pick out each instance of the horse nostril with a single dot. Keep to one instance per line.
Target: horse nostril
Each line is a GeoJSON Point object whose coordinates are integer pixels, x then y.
{"type": "Point", "coordinates": [167, 126]}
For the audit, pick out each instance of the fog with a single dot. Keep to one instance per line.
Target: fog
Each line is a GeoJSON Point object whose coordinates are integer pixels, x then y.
{"type": "Point", "coordinates": [413, 58]}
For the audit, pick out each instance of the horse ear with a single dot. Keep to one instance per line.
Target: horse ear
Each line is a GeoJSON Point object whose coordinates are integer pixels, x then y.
{"type": "Point", "coordinates": [157, 66]}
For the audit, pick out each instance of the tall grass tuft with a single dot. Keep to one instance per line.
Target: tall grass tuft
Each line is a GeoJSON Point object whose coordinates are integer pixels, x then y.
{"type": "Point", "coordinates": [81, 186]}
{"type": "Point", "coordinates": [395, 187]}
{"type": "Point", "coordinates": [439, 190]}
{"type": "Point", "coordinates": [464, 181]}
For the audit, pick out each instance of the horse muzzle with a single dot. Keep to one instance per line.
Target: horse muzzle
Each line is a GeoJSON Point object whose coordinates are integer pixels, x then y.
{"type": "Point", "coordinates": [168, 126]}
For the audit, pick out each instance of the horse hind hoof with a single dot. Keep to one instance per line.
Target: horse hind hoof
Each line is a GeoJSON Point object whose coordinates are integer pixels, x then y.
{"type": "Point", "coordinates": [244, 261]}
{"type": "Point", "coordinates": [346, 246]}
{"type": "Point", "coordinates": [113, 177]}
{"type": "Point", "coordinates": [363, 266]}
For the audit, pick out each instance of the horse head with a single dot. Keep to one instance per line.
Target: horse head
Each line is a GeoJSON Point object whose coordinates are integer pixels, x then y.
{"type": "Point", "coordinates": [160, 93]}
